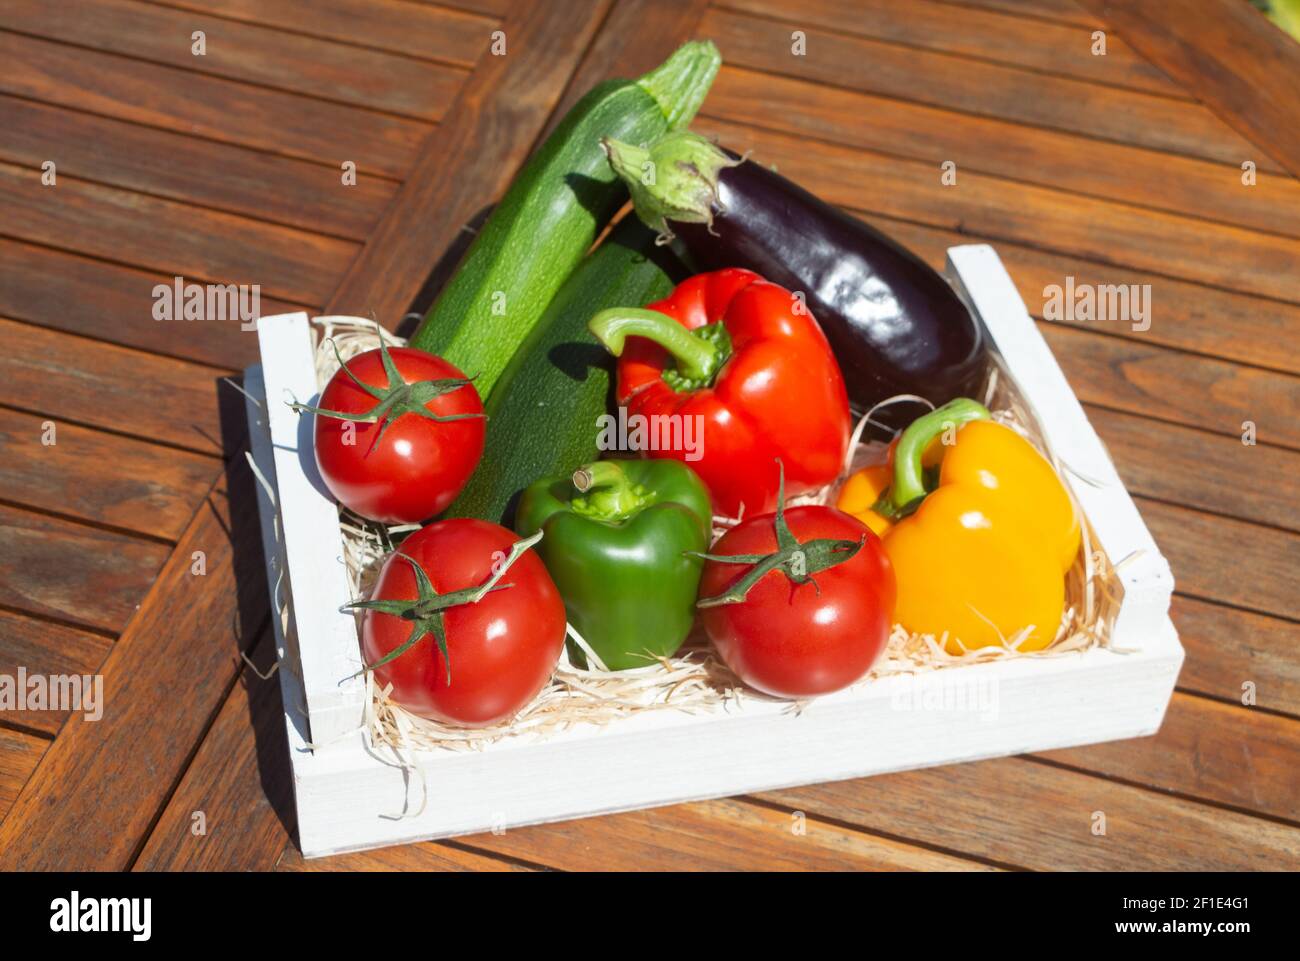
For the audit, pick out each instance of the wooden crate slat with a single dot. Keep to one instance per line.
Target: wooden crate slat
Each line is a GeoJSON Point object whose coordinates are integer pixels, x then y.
{"type": "Point", "coordinates": [19, 754]}
{"type": "Point", "coordinates": [1227, 56]}
{"type": "Point", "coordinates": [1059, 103]}
{"type": "Point", "coordinates": [210, 107]}
{"type": "Point", "coordinates": [58, 375]}
{"type": "Point", "coordinates": [198, 244]}
{"type": "Point", "coordinates": [1064, 161]}
{"type": "Point", "coordinates": [1226, 648]}
{"type": "Point", "coordinates": [104, 478]}
{"type": "Point", "coordinates": [1228, 754]}
{"type": "Point", "coordinates": [73, 572]}
{"type": "Point", "coordinates": [46, 648]}
{"type": "Point", "coordinates": [724, 835]}
{"type": "Point", "coordinates": [251, 54]}
{"type": "Point", "coordinates": [430, 32]}
{"type": "Point", "coordinates": [1064, 11]}
{"type": "Point", "coordinates": [1052, 48]}
{"type": "Point", "coordinates": [408, 857]}
{"type": "Point", "coordinates": [234, 179]}
{"type": "Point", "coordinates": [63, 291]}
{"type": "Point", "coordinates": [1025, 813]}
{"type": "Point", "coordinates": [1093, 228]}
{"type": "Point", "coordinates": [83, 808]}
{"type": "Point", "coordinates": [498, 113]}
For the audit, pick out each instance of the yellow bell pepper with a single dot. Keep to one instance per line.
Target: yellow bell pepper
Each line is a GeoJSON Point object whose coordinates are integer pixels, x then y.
{"type": "Point", "coordinates": [982, 556]}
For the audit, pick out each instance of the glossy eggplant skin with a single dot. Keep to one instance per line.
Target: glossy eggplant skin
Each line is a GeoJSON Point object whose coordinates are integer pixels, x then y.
{"type": "Point", "coordinates": [894, 323]}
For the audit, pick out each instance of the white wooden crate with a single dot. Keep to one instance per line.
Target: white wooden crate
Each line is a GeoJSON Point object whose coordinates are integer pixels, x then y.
{"type": "Point", "coordinates": [350, 797]}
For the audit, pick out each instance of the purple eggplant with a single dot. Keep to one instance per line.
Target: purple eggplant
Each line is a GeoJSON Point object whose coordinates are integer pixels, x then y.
{"type": "Point", "coordinates": [895, 324]}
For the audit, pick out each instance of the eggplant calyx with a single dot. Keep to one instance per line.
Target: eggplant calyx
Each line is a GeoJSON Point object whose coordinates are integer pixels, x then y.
{"type": "Point", "coordinates": [674, 178]}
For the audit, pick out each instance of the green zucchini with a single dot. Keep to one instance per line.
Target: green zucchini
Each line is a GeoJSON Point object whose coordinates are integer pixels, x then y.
{"type": "Point", "coordinates": [549, 218]}
{"type": "Point", "coordinates": [543, 417]}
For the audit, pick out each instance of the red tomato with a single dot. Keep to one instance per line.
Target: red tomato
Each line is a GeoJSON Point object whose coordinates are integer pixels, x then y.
{"type": "Point", "coordinates": [418, 466]}
{"type": "Point", "coordinates": [502, 649]}
{"type": "Point", "coordinates": [799, 640]}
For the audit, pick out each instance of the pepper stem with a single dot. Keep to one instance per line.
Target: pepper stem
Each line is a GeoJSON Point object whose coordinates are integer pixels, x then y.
{"type": "Point", "coordinates": [909, 480]}
{"type": "Point", "coordinates": [610, 494]}
{"type": "Point", "coordinates": [697, 359]}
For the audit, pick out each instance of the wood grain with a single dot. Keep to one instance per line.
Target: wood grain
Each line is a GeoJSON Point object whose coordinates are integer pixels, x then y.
{"type": "Point", "coordinates": [197, 244]}
{"type": "Point", "coordinates": [1197, 469]}
{"type": "Point", "coordinates": [19, 754]}
{"type": "Point", "coordinates": [106, 301]}
{"type": "Point", "coordinates": [497, 114]}
{"type": "Point", "coordinates": [988, 89]}
{"type": "Point", "coordinates": [1064, 161]}
{"type": "Point", "coordinates": [210, 107]}
{"type": "Point", "coordinates": [1023, 813]}
{"type": "Point", "coordinates": [245, 52]}
{"type": "Point", "coordinates": [263, 186]}
{"type": "Point", "coordinates": [1092, 228]}
{"type": "Point", "coordinates": [239, 781]}
{"type": "Point", "coordinates": [84, 808]}
{"type": "Point", "coordinates": [47, 648]}
{"type": "Point", "coordinates": [1227, 648]}
{"type": "Point", "coordinates": [1231, 755]}
{"type": "Point", "coordinates": [413, 30]}
{"type": "Point", "coordinates": [149, 489]}
{"type": "Point", "coordinates": [1184, 314]}
{"type": "Point", "coordinates": [1051, 48]}
{"type": "Point", "coordinates": [407, 857]}
{"type": "Point", "coordinates": [127, 391]}
{"type": "Point", "coordinates": [1213, 395]}
{"type": "Point", "coordinates": [1228, 56]}
{"type": "Point", "coordinates": [724, 835]}
{"type": "Point", "coordinates": [1061, 11]}
{"type": "Point", "coordinates": [72, 572]}
{"type": "Point", "coordinates": [1226, 560]}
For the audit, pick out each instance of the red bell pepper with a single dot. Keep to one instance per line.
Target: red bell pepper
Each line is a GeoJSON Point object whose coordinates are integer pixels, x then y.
{"type": "Point", "coordinates": [748, 359]}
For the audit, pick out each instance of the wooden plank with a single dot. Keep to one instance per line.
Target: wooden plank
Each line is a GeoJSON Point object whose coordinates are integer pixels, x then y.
{"type": "Point", "coordinates": [19, 755]}
{"type": "Point", "coordinates": [198, 244]}
{"type": "Point", "coordinates": [1095, 229]}
{"type": "Point", "coordinates": [83, 808]}
{"type": "Point", "coordinates": [263, 186]}
{"type": "Point", "coordinates": [428, 32]}
{"type": "Point", "coordinates": [725, 835]}
{"type": "Point", "coordinates": [1229, 561]}
{"type": "Point", "coordinates": [1198, 391]}
{"type": "Point", "coordinates": [988, 89]}
{"type": "Point", "coordinates": [239, 51]}
{"type": "Point", "coordinates": [210, 107]}
{"type": "Point", "coordinates": [94, 298]}
{"type": "Point", "coordinates": [1053, 48]}
{"type": "Point", "coordinates": [1184, 314]}
{"type": "Point", "coordinates": [1227, 648]}
{"type": "Point", "coordinates": [104, 478]}
{"type": "Point", "coordinates": [1209, 472]}
{"type": "Point", "coordinates": [1066, 161]}
{"type": "Point", "coordinates": [1227, 55]}
{"type": "Point", "coordinates": [114, 388]}
{"type": "Point", "coordinates": [49, 649]}
{"type": "Point", "coordinates": [498, 114]}
{"type": "Point", "coordinates": [408, 857]}
{"type": "Point", "coordinates": [72, 572]}
{"type": "Point", "coordinates": [636, 37]}
{"type": "Point", "coordinates": [233, 809]}
{"type": "Point", "coordinates": [1230, 755]}
{"type": "Point", "coordinates": [1028, 814]}
{"type": "Point", "coordinates": [1062, 11]}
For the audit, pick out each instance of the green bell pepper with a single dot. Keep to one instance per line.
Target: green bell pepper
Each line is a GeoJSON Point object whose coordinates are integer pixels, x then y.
{"type": "Point", "coordinates": [622, 539]}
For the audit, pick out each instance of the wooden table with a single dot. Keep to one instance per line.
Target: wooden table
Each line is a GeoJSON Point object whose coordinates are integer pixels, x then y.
{"type": "Point", "coordinates": [129, 548]}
